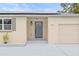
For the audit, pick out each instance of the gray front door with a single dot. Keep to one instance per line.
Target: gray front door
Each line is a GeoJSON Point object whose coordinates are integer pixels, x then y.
{"type": "Point", "coordinates": [38, 29]}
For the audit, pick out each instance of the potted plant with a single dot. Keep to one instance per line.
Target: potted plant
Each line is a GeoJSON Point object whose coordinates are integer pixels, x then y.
{"type": "Point", "coordinates": [5, 38]}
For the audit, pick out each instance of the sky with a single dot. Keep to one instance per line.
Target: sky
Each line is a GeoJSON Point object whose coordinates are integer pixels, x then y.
{"type": "Point", "coordinates": [54, 7]}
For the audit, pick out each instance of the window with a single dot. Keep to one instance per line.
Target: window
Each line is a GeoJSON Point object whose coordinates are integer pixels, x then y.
{"type": "Point", "coordinates": [5, 24]}
{"type": "Point", "coordinates": [0, 24]}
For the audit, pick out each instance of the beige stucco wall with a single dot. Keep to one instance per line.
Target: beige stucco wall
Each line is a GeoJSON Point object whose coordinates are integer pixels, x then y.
{"type": "Point", "coordinates": [63, 29]}
{"type": "Point", "coordinates": [19, 36]}
{"type": "Point", "coordinates": [57, 29]}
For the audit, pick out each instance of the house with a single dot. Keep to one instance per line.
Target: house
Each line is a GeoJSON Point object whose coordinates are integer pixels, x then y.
{"type": "Point", "coordinates": [52, 27]}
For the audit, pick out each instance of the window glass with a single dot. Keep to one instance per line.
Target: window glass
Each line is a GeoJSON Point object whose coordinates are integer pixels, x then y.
{"type": "Point", "coordinates": [0, 21]}
{"type": "Point", "coordinates": [7, 21]}
{"type": "Point", "coordinates": [0, 27]}
{"type": "Point", "coordinates": [7, 27]}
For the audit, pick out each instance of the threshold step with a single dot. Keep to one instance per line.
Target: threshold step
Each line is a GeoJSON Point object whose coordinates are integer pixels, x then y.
{"type": "Point", "coordinates": [38, 42]}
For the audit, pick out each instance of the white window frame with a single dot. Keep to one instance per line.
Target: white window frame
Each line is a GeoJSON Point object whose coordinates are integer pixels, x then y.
{"type": "Point", "coordinates": [6, 24]}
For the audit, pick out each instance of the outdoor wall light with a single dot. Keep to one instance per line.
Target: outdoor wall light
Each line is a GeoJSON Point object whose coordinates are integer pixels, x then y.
{"type": "Point", "coordinates": [31, 22]}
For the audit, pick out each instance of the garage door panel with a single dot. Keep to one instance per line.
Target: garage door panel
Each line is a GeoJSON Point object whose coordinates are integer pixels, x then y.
{"type": "Point", "coordinates": [69, 33]}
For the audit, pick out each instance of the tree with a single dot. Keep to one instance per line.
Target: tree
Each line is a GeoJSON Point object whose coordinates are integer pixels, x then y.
{"type": "Point", "coordinates": [66, 7]}
{"type": "Point", "coordinates": [75, 8]}
{"type": "Point", "coordinates": [70, 7]}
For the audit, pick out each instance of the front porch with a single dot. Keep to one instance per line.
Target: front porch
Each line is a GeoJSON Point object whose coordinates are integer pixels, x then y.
{"type": "Point", "coordinates": [37, 29]}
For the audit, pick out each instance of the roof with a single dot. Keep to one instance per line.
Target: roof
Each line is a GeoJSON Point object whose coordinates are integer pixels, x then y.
{"type": "Point", "coordinates": [42, 13]}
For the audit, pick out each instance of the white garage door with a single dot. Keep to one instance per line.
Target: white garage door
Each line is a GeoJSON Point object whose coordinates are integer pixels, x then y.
{"type": "Point", "coordinates": [69, 33]}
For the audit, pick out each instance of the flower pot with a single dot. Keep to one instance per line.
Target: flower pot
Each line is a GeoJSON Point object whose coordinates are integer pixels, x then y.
{"type": "Point", "coordinates": [5, 42]}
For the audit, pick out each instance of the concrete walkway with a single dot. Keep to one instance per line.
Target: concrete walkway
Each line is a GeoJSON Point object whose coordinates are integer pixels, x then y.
{"type": "Point", "coordinates": [41, 50]}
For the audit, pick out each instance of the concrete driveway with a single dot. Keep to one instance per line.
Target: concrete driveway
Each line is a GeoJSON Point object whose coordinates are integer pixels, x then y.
{"type": "Point", "coordinates": [41, 50]}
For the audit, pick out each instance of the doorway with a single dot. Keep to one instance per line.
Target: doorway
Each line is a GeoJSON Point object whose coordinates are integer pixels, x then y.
{"type": "Point", "coordinates": [38, 29]}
